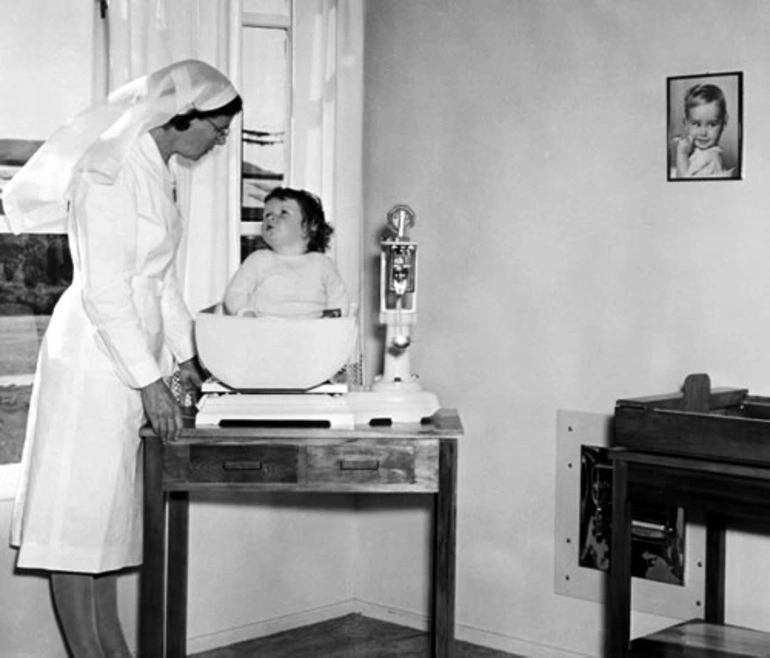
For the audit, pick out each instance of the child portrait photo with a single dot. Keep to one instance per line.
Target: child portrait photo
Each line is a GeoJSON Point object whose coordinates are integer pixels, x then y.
{"type": "Point", "coordinates": [705, 121]}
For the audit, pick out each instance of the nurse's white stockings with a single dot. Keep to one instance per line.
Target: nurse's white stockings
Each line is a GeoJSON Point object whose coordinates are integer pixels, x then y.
{"type": "Point", "coordinates": [87, 607]}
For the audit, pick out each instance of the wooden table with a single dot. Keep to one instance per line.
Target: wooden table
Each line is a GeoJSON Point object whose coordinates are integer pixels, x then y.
{"type": "Point", "coordinates": [701, 449]}
{"type": "Point", "coordinates": [405, 458]}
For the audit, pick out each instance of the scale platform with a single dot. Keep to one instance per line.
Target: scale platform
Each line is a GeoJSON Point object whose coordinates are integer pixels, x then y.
{"type": "Point", "coordinates": [322, 406]}
{"type": "Point", "coordinates": [314, 410]}
{"type": "Point", "coordinates": [326, 406]}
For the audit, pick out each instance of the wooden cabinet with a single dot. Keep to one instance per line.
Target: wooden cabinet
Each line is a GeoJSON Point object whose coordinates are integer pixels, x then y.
{"type": "Point", "coordinates": [702, 449]}
{"type": "Point", "coordinates": [416, 458]}
{"type": "Point", "coordinates": [359, 465]}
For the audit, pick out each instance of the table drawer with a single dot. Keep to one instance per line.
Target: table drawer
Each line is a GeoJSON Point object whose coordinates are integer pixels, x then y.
{"type": "Point", "coordinates": [407, 465]}
{"type": "Point", "coordinates": [249, 464]}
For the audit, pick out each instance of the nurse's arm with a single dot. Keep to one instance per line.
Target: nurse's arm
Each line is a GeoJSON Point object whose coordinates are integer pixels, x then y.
{"type": "Point", "coordinates": [105, 227]}
{"type": "Point", "coordinates": [177, 321]}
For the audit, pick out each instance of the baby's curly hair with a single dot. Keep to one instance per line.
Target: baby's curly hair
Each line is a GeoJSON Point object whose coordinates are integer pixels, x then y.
{"type": "Point", "coordinates": [319, 232]}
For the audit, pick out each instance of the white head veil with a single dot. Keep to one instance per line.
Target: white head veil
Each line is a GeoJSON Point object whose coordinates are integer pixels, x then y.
{"type": "Point", "coordinates": [95, 142]}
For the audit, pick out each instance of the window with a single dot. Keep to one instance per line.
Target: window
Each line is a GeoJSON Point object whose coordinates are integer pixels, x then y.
{"type": "Point", "coordinates": [34, 269]}
{"type": "Point", "coordinates": [34, 272]}
{"type": "Point", "coordinates": [266, 91]}
{"type": "Point", "coordinates": [287, 109]}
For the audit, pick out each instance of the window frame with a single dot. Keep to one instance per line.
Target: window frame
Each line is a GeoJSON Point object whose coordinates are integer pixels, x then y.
{"type": "Point", "coordinates": [11, 473]}
{"type": "Point", "coordinates": [284, 23]}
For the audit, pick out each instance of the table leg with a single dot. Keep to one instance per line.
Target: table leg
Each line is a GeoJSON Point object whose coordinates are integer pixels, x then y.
{"type": "Point", "coordinates": [619, 584]}
{"type": "Point", "coordinates": [715, 569]}
{"type": "Point", "coordinates": [178, 536]}
{"type": "Point", "coordinates": [444, 535]}
{"type": "Point", "coordinates": [152, 590]}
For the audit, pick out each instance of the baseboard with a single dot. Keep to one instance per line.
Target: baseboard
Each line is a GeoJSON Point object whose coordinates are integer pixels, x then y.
{"type": "Point", "coordinates": [466, 633]}
{"type": "Point", "coordinates": [269, 626]}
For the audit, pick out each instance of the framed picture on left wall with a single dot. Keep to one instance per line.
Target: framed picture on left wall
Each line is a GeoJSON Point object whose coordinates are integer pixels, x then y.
{"type": "Point", "coordinates": [704, 137]}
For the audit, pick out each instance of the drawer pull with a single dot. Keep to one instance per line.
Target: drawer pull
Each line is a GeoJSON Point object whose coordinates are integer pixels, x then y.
{"type": "Point", "coordinates": [242, 466]}
{"type": "Point", "coordinates": [359, 464]}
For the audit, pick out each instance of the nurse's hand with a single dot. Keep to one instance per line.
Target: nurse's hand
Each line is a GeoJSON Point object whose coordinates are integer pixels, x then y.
{"type": "Point", "coordinates": [162, 410]}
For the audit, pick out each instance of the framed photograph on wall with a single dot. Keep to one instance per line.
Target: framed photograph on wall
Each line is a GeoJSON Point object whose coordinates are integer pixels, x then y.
{"type": "Point", "coordinates": [704, 139]}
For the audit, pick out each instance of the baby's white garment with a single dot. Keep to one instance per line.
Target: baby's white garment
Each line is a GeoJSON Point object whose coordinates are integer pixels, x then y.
{"type": "Point", "coordinates": [706, 163]}
{"type": "Point", "coordinates": [301, 286]}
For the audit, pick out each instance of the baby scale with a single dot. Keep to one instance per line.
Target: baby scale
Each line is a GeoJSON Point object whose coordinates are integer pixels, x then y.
{"type": "Point", "coordinates": [273, 371]}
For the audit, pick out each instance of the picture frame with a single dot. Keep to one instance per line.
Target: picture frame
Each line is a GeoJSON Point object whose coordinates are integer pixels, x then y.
{"type": "Point", "coordinates": [668, 550]}
{"type": "Point", "coordinates": [707, 145]}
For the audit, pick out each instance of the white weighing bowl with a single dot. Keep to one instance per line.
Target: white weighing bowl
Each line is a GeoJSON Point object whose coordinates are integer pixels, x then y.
{"type": "Point", "coordinates": [272, 353]}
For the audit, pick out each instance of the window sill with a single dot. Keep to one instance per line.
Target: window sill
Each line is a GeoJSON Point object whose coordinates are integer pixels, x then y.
{"type": "Point", "coordinates": [10, 474]}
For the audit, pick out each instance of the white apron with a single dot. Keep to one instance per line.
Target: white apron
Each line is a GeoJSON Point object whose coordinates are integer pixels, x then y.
{"type": "Point", "coordinates": [116, 329]}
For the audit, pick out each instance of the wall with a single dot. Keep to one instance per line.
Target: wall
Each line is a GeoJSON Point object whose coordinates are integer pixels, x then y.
{"type": "Point", "coordinates": [558, 268]}
{"type": "Point", "coordinates": [41, 91]}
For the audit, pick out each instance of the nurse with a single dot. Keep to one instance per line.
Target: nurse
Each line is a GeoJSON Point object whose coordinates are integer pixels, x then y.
{"type": "Point", "coordinates": [117, 331]}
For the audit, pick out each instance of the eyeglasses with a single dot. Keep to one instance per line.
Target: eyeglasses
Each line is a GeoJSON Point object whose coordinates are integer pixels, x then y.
{"type": "Point", "coordinates": [222, 133]}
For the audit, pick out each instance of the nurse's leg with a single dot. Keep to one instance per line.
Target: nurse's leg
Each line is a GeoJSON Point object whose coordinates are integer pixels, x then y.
{"type": "Point", "coordinates": [73, 596]}
{"type": "Point", "coordinates": [107, 620]}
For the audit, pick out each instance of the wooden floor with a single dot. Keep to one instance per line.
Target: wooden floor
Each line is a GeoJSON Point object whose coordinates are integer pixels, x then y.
{"type": "Point", "coordinates": [352, 636]}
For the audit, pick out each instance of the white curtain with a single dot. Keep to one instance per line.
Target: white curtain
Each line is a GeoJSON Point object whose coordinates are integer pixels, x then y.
{"type": "Point", "coordinates": [144, 35]}
{"type": "Point", "coordinates": [327, 119]}
{"type": "Point", "coordinates": [327, 122]}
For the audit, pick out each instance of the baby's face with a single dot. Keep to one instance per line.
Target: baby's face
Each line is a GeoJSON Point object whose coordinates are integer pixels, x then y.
{"type": "Point", "coordinates": [704, 125]}
{"type": "Point", "coordinates": [282, 227]}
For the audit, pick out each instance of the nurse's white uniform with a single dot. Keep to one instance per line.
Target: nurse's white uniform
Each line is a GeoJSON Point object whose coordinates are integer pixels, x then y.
{"type": "Point", "coordinates": [116, 329]}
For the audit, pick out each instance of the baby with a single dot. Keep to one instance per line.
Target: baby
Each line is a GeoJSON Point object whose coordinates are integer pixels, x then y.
{"type": "Point", "coordinates": [698, 154]}
{"type": "Point", "coordinates": [294, 278]}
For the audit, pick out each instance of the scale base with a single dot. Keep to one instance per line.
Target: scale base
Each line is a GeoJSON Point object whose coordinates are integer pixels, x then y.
{"type": "Point", "coordinates": [343, 411]}
{"type": "Point", "coordinates": [315, 410]}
